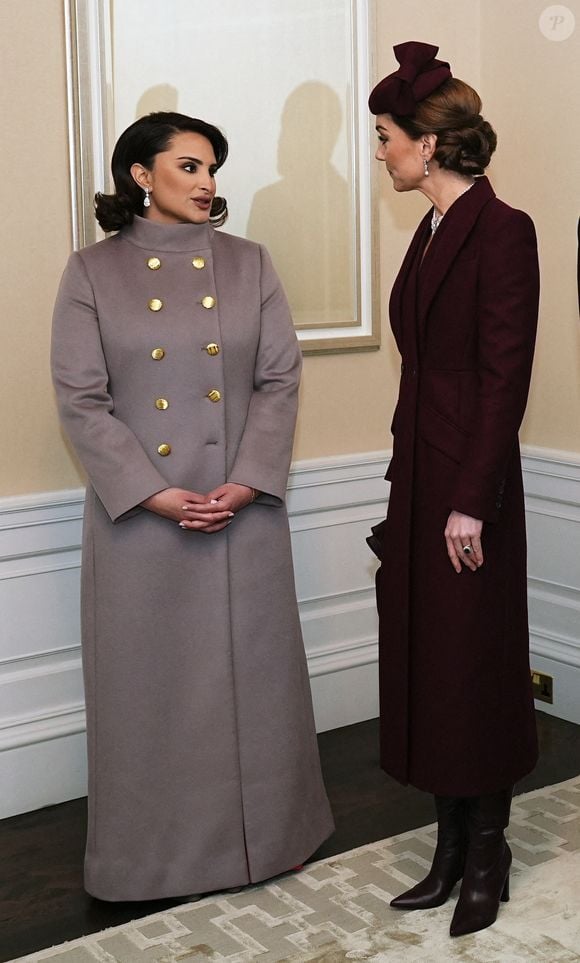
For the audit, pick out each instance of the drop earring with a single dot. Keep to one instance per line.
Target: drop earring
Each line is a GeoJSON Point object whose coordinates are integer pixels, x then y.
{"type": "Point", "coordinates": [426, 167]}
{"type": "Point", "coordinates": [146, 200]}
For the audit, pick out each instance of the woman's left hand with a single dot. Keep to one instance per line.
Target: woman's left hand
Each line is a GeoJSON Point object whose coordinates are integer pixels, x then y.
{"type": "Point", "coordinates": [464, 532]}
{"type": "Point", "coordinates": [232, 497]}
{"type": "Point", "coordinates": [227, 498]}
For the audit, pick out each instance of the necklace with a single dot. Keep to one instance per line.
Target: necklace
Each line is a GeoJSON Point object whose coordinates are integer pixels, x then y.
{"type": "Point", "coordinates": [435, 221]}
{"type": "Point", "coordinates": [436, 217]}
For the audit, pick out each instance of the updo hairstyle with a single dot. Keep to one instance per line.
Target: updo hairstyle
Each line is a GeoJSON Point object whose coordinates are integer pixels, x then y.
{"type": "Point", "coordinates": [465, 141]}
{"type": "Point", "coordinates": [140, 144]}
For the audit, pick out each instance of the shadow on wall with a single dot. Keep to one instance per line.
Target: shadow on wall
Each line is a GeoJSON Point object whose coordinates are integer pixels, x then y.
{"type": "Point", "coordinates": [161, 97]}
{"type": "Point", "coordinates": [305, 218]}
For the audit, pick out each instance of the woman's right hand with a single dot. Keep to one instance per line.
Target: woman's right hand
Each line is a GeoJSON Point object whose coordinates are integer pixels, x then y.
{"type": "Point", "coordinates": [174, 503]}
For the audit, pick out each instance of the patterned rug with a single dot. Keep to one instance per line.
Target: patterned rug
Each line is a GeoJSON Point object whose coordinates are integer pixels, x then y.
{"type": "Point", "coordinates": [338, 910]}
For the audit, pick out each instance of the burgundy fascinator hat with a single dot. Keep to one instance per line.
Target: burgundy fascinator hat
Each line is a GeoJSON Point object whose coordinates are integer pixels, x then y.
{"type": "Point", "coordinates": [419, 74]}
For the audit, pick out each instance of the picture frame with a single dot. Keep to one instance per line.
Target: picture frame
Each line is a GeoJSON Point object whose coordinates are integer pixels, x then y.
{"type": "Point", "coordinates": [295, 114]}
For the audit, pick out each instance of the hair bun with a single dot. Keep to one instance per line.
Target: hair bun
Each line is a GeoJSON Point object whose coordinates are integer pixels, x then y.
{"type": "Point", "coordinates": [466, 149]}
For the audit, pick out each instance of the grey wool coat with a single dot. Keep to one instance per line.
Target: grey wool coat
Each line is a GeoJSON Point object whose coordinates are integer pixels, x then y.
{"type": "Point", "coordinates": [175, 363]}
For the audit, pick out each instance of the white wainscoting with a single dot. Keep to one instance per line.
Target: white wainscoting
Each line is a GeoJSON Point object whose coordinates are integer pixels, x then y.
{"type": "Point", "coordinates": [332, 504]}
{"type": "Point", "coordinates": [42, 751]}
{"type": "Point", "coordinates": [552, 485]}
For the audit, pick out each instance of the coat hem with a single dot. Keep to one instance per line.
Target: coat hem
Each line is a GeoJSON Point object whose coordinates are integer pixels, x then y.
{"type": "Point", "coordinates": [483, 789]}
{"type": "Point", "coordinates": [189, 892]}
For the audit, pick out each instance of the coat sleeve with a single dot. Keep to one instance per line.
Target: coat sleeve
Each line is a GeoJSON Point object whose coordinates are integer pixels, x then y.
{"type": "Point", "coordinates": [508, 297]}
{"type": "Point", "coordinates": [118, 468]}
{"type": "Point", "coordinates": [265, 451]}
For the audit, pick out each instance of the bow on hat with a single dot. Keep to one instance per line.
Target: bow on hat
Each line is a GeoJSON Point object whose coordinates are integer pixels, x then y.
{"type": "Point", "coordinates": [418, 76]}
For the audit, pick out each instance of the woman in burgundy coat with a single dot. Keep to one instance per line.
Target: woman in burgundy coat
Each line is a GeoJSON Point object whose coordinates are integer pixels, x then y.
{"type": "Point", "coordinates": [457, 714]}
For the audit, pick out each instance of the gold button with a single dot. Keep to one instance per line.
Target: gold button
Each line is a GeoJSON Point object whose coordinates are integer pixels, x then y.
{"type": "Point", "coordinates": [198, 263]}
{"type": "Point", "coordinates": [164, 450]}
{"type": "Point", "coordinates": [212, 349]}
{"type": "Point", "coordinates": [208, 301]}
{"type": "Point", "coordinates": [157, 354]}
{"type": "Point", "coordinates": [153, 263]}
{"type": "Point", "coordinates": [214, 395]}
{"type": "Point", "coordinates": [161, 404]}
{"type": "Point", "coordinates": [155, 304]}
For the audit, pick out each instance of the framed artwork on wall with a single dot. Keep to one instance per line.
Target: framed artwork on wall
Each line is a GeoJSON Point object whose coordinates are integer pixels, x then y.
{"type": "Point", "coordinates": [287, 81]}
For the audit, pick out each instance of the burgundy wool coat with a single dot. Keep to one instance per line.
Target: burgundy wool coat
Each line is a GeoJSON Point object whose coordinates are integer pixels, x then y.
{"type": "Point", "coordinates": [457, 713]}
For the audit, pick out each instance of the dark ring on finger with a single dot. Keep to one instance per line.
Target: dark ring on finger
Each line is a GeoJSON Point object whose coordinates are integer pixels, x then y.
{"type": "Point", "coordinates": [467, 549]}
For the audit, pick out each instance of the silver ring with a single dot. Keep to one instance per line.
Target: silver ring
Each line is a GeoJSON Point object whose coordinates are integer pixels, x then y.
{"type": "Point", "coordinates": [467, 549]}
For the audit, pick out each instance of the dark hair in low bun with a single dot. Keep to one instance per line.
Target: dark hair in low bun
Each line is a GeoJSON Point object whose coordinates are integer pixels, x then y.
{"type": "Point", "coordinates": [465, 141]}
{"type": "Point", "coordinates": [139, 144]}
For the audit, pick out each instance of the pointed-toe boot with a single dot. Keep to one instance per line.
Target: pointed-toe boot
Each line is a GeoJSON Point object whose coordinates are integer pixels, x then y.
{"type": "Point", "coordinates": [448, 861]}
{"type": "Point", "coordinates": [487, 865]}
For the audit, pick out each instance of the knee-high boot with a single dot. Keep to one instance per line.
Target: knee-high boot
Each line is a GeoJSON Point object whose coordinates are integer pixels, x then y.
{"type": "Point", "coordinates": [487, 865]}
{"type": "Point", "coordinates": [448, 861]}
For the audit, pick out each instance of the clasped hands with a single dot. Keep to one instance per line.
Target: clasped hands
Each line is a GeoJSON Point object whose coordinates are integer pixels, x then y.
{"type": "Point", "coordinates": [201, 513]}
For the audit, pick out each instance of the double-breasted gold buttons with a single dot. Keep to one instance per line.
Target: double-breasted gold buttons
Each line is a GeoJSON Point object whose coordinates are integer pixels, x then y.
{"type": "Point", "coordinates": [157, 354]}
{"type": "Point", "coordinates": [164, 450]}
{"type": "Point", "coordinates": [161, 404]}
{"type": "Point", "coordinates": [212, 348]}
{"type": "Point", "coordinates": [214, 395]}
{"type": "Point", "coordinates": [208, 302]}
{"type": "Point", "coordinates": [198, 263]}
{"type": "Point", "coordinates": [153, 263]}
{"type": "Point", "coordinates": [155, 304]}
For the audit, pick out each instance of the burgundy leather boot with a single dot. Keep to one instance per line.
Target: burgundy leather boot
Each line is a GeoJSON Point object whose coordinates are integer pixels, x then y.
{"type": "Point", "coordinates": [448, 861]}
{"type": "Point", "coordinates": [487, 865]}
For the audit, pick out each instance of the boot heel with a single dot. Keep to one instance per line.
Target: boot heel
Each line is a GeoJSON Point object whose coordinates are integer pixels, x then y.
{"type": "Point", "coordinates": [505, 893]}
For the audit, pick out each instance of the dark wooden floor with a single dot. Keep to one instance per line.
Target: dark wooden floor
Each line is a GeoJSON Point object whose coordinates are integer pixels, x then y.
{"type": "Point", "coordinates": [42, 901]}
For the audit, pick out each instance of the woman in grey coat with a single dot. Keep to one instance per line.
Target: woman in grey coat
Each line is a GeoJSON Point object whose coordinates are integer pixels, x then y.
{"type": "Point", "coordinates": [176, 368]}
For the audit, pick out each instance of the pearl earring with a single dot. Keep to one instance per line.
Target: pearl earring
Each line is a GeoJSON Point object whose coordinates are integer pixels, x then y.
{"type": "Point", "coordinates": [425, 167]}
{"type": "Point", "coordinates": [146, 201]}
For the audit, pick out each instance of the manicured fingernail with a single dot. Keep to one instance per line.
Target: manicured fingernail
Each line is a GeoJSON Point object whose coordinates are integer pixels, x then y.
{"type": "Point", "coordinates": [230, 514]}
{"type": "Point", "coordinates": [182, 525]}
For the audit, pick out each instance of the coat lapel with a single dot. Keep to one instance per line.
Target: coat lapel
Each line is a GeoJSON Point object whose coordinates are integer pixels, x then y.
{"type": "Point", "coordinates": [396, 306]}
{"type": "Point", "coordinates": [451, 235]}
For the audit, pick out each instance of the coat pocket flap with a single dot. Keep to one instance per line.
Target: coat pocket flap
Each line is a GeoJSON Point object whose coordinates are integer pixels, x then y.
{"type": "Point", "coordinates": [440, 433]}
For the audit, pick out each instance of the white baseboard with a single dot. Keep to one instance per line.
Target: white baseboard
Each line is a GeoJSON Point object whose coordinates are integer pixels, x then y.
{"type": "Point", "coordinates": [332, 502]}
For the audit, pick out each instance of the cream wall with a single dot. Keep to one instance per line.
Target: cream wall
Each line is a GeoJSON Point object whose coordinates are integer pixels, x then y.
{"type": "Point", "coordinates": [34, 239]}
{"type": "Point", "coordinates": [531, 104]}
{"type": "Point", "coordinates": [346, 399]}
